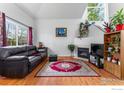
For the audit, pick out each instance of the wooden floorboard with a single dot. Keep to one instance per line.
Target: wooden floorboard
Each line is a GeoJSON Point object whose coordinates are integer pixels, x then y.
{"type": "Point", "coordinates": [105, 78]}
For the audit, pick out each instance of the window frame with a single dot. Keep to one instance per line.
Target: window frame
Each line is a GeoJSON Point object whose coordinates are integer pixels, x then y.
{"type": "Point", "coordinates": [27, 35]}
{"type": "Point", "coordinates": [17, 24]}
{"type": "Point", "coordinates": [106, 17]}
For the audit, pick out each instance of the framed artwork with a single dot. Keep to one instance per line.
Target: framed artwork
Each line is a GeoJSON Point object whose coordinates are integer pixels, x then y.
{"type": "Point", "coordinates": [61, 32]}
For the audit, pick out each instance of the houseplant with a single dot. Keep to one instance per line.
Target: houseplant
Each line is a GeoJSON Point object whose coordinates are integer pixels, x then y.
{"type": "Point", "coordinates": [71, 47]}
{"type": "Point", "coordinates": [118, 20]}
{"type": "Point", "coordinates": [110, 47]}
{"type": "Point", "coordinates": [107, 27]}
{"type": "Point", "coordinates": [109, 57]}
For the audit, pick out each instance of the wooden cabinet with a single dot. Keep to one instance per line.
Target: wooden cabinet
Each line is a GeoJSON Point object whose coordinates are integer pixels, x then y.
{"type": "Point", "coordinates": [116, 69]}
{"type": "Point", "coordinates": [113, 68]}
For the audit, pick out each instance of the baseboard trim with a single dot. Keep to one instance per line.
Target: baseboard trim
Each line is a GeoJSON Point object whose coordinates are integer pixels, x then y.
{"type": "Point", "coordinates": [82, 58]}
{"type": "Point", "coordinates": [65, 57]}
{"type": "Point", "coordinates": [75, 57]}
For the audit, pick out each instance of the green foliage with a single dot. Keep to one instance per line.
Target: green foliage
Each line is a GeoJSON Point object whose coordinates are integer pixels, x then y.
{"type": "Point", "coordinates": [11, 41]}
{"type": "Point", "coordinates": [118, 18]}
{"type": "Point", "coordinates": [92, 4]}
{"type": "Point", "coordinates": [93, 14]}
{"type": "Point", "coordinates": [95, 11]}
{"type": "Point", "coordinates": [71, 47]}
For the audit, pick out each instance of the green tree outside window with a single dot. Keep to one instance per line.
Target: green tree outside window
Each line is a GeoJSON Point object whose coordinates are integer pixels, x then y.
{"type": "Point", "coordinates": [95, 12]}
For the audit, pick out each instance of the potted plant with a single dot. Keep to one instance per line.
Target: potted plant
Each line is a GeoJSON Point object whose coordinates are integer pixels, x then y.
{"type": "Point", "coordinates": [118, 20]}
{"type": "Point", "coordinates": [110, 48]}
{"type": "Point", "coordinates": [109, 57]}
{"type": "Point", "coordinates": [71, 47]}
{"type": "Point", "coordinates": [114, 60]}
{"type": "Point", "coordinates": [107, 27]}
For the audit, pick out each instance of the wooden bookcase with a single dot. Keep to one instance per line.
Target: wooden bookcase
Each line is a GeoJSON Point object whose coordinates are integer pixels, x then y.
{"type": "Point", "coordinates": [114, 67]}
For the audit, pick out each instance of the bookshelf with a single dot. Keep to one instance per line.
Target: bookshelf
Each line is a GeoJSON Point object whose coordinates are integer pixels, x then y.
{"type": "Point", "coordinates": [114, 53]}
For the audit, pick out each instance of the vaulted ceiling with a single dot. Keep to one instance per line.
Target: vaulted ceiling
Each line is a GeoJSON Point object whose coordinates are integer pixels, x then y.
{"type": "Point", "coordinates": [53, 10]}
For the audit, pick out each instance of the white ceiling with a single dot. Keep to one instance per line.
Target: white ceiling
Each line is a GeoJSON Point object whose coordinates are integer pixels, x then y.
{"type": "Point", "coordinates": [53, 10]}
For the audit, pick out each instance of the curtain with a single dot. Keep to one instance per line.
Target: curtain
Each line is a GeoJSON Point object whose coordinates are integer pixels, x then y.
{"type": "Point", "coordinates": [2, 30]}
{"type": "Point", "coordinates": [30, 36]}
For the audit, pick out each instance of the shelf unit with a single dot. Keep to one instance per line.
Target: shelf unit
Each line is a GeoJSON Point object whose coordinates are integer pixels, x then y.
{"type": "Point", "coordinates": [116, 69]}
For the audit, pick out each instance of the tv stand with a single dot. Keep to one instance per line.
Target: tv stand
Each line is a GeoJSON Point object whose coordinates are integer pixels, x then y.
{"type": "Point", "coordinates": [96, 60]}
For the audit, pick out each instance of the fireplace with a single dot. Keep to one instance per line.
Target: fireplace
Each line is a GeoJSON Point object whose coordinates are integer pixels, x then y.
{"type": "Point", "coordinates": [83, 52]}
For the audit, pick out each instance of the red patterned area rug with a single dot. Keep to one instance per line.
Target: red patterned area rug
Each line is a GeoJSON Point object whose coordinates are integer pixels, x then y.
{"type": "Point", "coordinates": [67, 68]}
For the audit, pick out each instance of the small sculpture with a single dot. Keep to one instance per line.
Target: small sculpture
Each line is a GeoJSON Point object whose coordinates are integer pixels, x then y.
{"type": "Point", "coordinates": [40, 45]}
{"type": "Point", "coordinates": [84, 29]}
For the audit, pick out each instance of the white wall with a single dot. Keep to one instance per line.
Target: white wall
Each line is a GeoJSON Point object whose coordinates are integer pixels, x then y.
{"type": "Point", "coordinates": [16, 13]}
{"type": "Point", "coordinates": [114, 7]}
{"type": "Point", "coordinates": [12, 11]}
{"type": "Point", "coordinates": [46, 34]}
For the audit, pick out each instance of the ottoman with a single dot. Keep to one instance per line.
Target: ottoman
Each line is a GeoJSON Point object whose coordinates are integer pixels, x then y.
{"type": "Point", "coordinates": [52, 57]}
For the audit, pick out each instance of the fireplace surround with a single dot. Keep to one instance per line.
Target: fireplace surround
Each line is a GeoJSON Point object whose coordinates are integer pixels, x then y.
{"type": "Point", "coordinates": [83, 52]}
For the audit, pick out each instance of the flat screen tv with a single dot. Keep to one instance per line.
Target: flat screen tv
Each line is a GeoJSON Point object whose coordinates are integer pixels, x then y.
{"type": "Point", "coordinates": [97, 50]}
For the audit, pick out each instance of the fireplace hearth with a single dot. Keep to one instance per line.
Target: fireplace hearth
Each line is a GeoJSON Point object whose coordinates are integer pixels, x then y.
{"type": "Point", "coordinates": [83, 52]}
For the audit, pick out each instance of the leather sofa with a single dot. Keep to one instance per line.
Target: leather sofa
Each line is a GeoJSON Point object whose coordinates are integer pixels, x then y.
{"type": "Point", "coordinates": [17, 62]}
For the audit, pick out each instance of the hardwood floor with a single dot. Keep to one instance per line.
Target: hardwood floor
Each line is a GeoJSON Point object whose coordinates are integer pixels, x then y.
{"type": "Point", "coordinates": [105, 79]}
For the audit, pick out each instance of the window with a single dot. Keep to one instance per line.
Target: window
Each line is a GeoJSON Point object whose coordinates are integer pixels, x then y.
{"type": "Point", "coordinates": [17, 34]}
{"type": "Point", "coordinates": [96, 12]}
{"type": "Point", "coordinates": [11, 33]}
{"type": "Point", "coordinates": [22, 35]}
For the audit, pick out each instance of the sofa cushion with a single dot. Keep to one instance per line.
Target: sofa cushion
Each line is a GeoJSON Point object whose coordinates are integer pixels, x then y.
{"type": "Point", "coordinates": [33, 62]}
{"type": "Point", "coordinates": [16, 58]}
{"type": "Point", "coordinates": [9, 51]}
{"type": "Point", "coordinates": [37, 54]}
{"type": "Point", "coordinates": [22, 54]}
{"type": "Point", "coordinates": [30, 47]}
{"type": "Point", "coordinates": [4, 54]}
{"type": "Point", "coordinates": [33, 59]}
{"type": "Point", "coordinates": [43, 54]}
{"type": "Point", "coordinates": [18, 50]}
{"type": "Point", "coordinates": [32, 52]}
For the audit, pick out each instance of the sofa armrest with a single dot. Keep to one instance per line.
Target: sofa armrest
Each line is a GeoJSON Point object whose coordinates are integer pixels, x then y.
{"type": "Point", "coordinates": [43, 50]}
{"type": "Point", "coordinates": [16, 66]}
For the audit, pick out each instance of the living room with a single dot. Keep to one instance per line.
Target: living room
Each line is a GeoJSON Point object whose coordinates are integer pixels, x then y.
{"type": "Point", "coordinates": [61, 44]}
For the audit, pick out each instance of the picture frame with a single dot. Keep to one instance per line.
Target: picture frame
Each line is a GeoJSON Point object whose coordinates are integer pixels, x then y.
{"type": "Point", "coordinates": [61, 32]}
